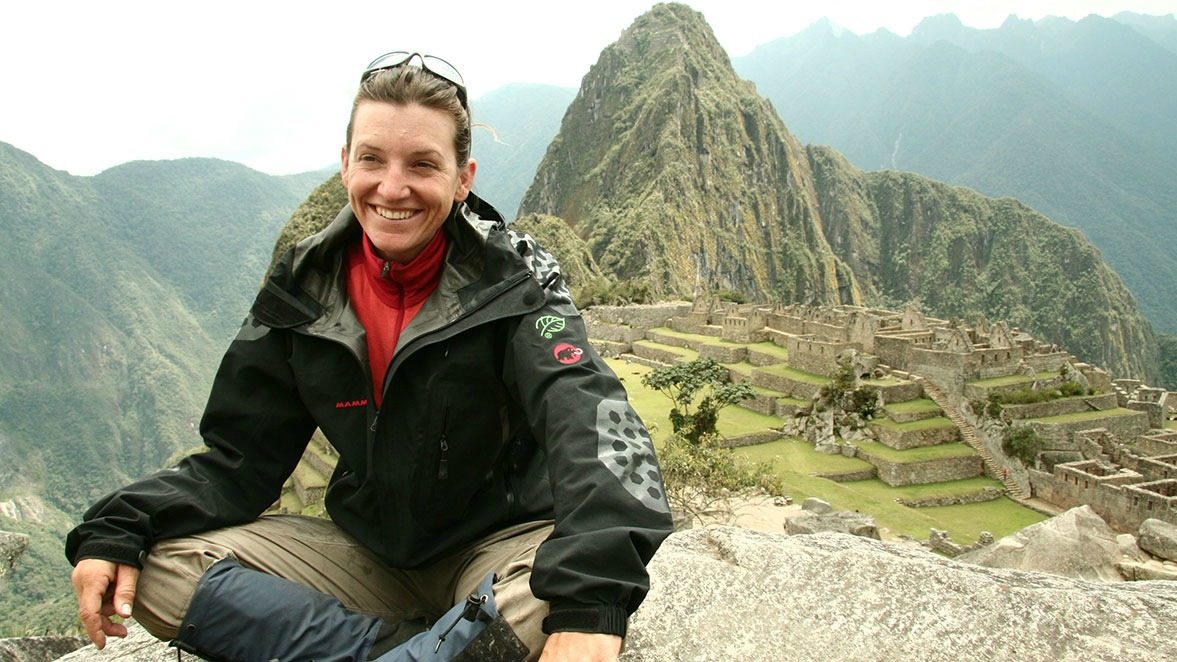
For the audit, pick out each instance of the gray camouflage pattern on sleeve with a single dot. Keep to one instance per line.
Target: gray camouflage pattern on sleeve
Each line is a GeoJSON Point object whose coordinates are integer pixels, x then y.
{"type": "Point", "coordinates": [624, 447]}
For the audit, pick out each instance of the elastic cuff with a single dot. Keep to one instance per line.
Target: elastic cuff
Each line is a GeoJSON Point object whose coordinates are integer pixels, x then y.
{"type": "Point", "coordinates": [603, 620]}
{"type": "Point", "coordinates": [114, 552]}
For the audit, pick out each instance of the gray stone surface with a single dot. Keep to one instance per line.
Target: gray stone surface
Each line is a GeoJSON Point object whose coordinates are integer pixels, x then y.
{"type": "Point", "coordinates": [12, 545]}
{"type": "Point", "coordinates": [816, 506]}
{"type": "Point", "coordinates": [1147, 570]}
{"type": "Point", "coordinates": [1129, 549]}
{"type": "Point", "coordinates": [855, 524]}
{"type": "Point", "coordinates": [1077, 543]}
{"type": "Point", "coordinates": [722, 593]}
{"type": "Point", "coordinates": [1159, 539]}
{"type": "Point", "coordinates": [38, 649]}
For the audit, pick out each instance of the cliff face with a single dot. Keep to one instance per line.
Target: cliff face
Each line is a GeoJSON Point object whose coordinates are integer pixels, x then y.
{"type": "Point", "coordinates": [960, 254]}
{"type": "Point", "coordinates": [675, 172]}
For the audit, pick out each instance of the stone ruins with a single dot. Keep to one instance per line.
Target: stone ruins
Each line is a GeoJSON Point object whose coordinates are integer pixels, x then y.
{"type": "Point", "coordinates": [958, 387]}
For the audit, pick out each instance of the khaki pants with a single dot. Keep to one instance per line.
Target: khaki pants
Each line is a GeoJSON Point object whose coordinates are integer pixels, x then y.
{"type": "Point", "coordinates": [316, 553]}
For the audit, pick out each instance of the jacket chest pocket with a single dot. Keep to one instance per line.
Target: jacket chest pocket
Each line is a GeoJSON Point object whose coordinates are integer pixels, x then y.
{"type": "Point", "coordinates": [461, 441]}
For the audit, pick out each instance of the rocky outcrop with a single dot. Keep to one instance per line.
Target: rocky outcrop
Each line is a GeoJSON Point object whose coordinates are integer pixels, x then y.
{"type": "Point", "coordinates": [747, 595]}
{"type": "Point", "coordinates": [38, 649]}
{"type": "Point", "coordinates": [1159, 538]}
{"type": "Point", "coordinates": [1077, 543]}
{"type": "Point", "coordinates": [819, 516]}
{"type": "Point", "coordinates": [12, 545]}
{"type": "Point", "coordinates": [730, 594]}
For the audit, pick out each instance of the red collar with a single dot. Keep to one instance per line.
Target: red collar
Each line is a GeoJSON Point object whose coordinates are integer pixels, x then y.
{"type": "Point", "coordinates": [412, 282]}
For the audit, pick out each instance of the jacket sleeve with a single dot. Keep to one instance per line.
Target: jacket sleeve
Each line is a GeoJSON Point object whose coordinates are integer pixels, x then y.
{"type": "Point", "coordinates": [255, 429]}
{"type": "Point", "coordinates": [611, 508]}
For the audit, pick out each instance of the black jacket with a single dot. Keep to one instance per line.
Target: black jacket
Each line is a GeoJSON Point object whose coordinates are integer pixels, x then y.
{"type": "Point", "coordinates": [496, 411]}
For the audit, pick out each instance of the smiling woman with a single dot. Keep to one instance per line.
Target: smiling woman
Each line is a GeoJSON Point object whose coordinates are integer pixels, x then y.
{"type": "Point", "coordinates": [486, 500]}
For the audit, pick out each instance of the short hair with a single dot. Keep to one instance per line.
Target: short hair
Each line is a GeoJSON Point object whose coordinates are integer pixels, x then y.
{"type": "Point", "coordinates": [408, 84]}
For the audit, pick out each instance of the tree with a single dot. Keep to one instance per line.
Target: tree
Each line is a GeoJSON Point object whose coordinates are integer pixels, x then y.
{"type": "Point", "coordinates": [700, 474]}
{"type": "Point", "coordinates": [683, 383]}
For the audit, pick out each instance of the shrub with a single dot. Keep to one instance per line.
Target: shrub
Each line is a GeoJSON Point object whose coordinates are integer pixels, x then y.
{"type": "Point", "coordinates": [701, 476]}
{"type": "Point", "coordinates": [1022, 443]}
{"type": "Point", "coordinates": [605, 291]}
{"type": "Point", "coordinates": [698, 390]}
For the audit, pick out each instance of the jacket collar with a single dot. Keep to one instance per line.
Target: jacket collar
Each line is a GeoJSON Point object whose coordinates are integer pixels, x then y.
{"type": "Point", "coordinates": [305, 286]}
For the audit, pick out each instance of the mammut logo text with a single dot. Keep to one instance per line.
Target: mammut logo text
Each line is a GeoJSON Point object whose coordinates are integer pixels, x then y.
{"type": "Point", "coordinates": [347, 404]}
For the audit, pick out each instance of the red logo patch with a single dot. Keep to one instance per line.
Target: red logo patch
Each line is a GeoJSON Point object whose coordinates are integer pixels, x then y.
{"type": "Point", "coordinates": [348, 404]}
{"type": "Point", "coordinates": [567, 354]}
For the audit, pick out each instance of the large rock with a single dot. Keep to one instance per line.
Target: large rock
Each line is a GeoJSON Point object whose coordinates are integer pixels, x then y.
{"type": "Point", "coordinates": [38, 649]}
{"type": "Point", "coordinates": [722, 593]}
{"type": "Point", "coordinates": [1159, 539]}
{"type": "Point", "coordinates": [138, 646]}
{"type": "Point", "coordinates": [1077, 543]}
{"type": "Point", "coordinates": [12, 545]}
{"type": "Point", "coordinates": [856, 524]}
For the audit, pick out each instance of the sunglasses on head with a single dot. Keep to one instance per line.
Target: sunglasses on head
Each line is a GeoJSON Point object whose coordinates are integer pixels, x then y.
{"type": "Point", "coordinates": [436, 66]}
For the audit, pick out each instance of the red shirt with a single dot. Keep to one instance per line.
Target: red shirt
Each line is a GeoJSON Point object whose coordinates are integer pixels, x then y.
{"type": "Point", "coordinates": [386, 296]}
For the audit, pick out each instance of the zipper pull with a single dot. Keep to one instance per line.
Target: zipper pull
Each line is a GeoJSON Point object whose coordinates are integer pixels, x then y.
{"type": "Point", "coordinates": [375, 418]}
{"type": "Point", "coordinates": [386, 269]}
{"type": "Point", "coordinates": [472, 612]}
{"type": "Point", "coordinates": [443, 467]}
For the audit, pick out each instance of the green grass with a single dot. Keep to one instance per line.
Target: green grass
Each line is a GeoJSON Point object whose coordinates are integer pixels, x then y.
{"type": "Point", "coordinates": [799, 456]}
{"type": "Point", "coordinates": [1007, 380]}
{"type": "Point", "coordinates": [910, 426]}
{"type": "Point", "coordinates": [1171, 425]}
{"type": "Point", "coordinates": [1085, 416]}
{"type": "Point", "coordinates": [796, 462]}
{"type": "Point", "coordinates": [886, 381]}
{"type": "Point", "coordinates": [798, 375]}
{"type": "Point", "coordinates": [771, 349]}
{"type": "Point", "coordinates": [695, 337]}
{"type": "Point", "coordinates": [684, 353]}
{"type": "Point", "coordinates": [922, 454]}
{"type": "Point", "coordinates": [654, 408]}
{"type": "Point", "coordinates": [743, 368]}
{"type": "Point", "coordinates": [912, 406]}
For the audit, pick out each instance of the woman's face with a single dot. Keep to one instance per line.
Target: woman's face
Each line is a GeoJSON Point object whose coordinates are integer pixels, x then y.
{"type": "Point", "coordinates": [402, 175]}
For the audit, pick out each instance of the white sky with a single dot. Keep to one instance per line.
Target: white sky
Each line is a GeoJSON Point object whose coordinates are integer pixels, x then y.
{"type": "Point", "coordinates": [88, 85]}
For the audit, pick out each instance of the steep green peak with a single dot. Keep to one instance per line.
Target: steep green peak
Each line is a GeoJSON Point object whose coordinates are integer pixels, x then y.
{"type": "Point", "coordinates": [676, 173]}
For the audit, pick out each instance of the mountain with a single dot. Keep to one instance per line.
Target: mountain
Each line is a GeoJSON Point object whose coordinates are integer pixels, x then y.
{"type": "Point", "coordinates": [674, 172]}
{"type": "Point", "coordinates": [512, 127]}
{"type": "Point", "coordinates": [1161, 29]}
{"type": "Point", "coordinates": [1073, 118]}
{"type": "Point", "coordinates": [121, 292]}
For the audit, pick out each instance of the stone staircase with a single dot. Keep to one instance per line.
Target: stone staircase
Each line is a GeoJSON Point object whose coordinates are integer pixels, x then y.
{"type": "Point", "coordinates": [969, 435]}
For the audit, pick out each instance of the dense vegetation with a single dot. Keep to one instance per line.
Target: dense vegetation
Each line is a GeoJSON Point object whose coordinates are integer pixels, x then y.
{"type": "Point", "coordinates": [1074, 119]}
{"type": "Point", "coordinates": [121, 291]}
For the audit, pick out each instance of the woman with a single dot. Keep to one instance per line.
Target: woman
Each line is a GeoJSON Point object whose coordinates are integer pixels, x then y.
{"type": "Point", "coordinates": [495, 497]}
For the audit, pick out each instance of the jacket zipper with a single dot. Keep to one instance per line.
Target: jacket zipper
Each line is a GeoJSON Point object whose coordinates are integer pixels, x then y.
{"type": "Point", "coordinates": [443, 466]}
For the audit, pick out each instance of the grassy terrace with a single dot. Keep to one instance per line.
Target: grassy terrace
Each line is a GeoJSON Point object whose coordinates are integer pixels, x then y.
{"type": "Point", "coordinates": [654, 408]}
{"type": "Point", "coordinates": [925, 424]}
{"type": "Point", "coordinates": [683, 352]}
{"type": "Point", "coordinates": [796, 463]}
{"type": "Point", "coordinates": [743, 368]}
{"type": "Point", "coordinates": [1008, 380]}
{"type": "Point", "coordinates": [1086, 416]}
{"type": "Point", "coordinates": [771, 349]}
{"type": "Point", "coordinates": [799, 375]}
{"type": "Point", "coordinates": [922, 454]}
{"type": "Point", "coordinates": [695, 337]}
{"type": "Point", "coordinates": [913, 406]}
{"type": "Point", "coordinates": [886, 381]}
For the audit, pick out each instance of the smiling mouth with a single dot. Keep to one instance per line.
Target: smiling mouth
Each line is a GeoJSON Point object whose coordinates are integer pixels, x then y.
{"type": "Point", "coordinates": [391, 214]}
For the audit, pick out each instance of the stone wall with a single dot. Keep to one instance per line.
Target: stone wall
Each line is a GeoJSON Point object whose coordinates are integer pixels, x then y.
{"type": "Point", "coordinates": [920, 473]}
{"type": "Point", "coordinates": [901, 439]}
{"type": "Point", "coordinates": [1059, 435]}
{"type": "Point", "coordinates": [723, 353]}
{"type": "Point", "coordinates": [1060, 407]}
{"type": "Point", "coordinates": [1122, 505]}
{"type": "Point", "coordinates": [815, 355]}
{"type": "Point", "coordinates": [640, 316]}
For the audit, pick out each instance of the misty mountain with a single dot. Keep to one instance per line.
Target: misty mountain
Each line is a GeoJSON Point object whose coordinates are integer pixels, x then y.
{"type": "Point", "coordinates": [1073, 118]}
{"type": "Point", "coordinates": [674, 172]}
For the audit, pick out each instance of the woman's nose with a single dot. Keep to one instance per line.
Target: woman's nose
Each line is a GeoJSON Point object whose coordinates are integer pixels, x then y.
{"type": "Point", "coordinates": [394, 184]}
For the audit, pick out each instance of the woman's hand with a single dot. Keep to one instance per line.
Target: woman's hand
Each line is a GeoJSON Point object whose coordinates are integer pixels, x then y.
{"type": "Point", "coordinates": [582, 647]}
{"type": "Point", "coordinates": [104, 588]}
